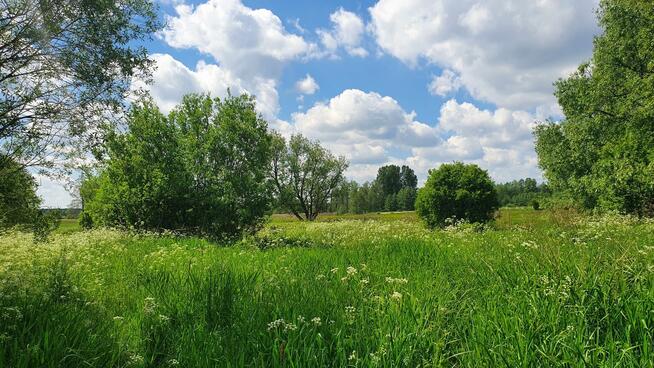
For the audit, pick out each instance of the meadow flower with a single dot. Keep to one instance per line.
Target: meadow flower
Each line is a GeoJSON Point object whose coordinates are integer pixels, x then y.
{"type": "Point", "coordinates": [316, 321]}
{"type": "Point", "coordinates": [396, 296]}
{"type": "Point", "coordinates": [351, 271]}
{"type": "Point", "coordinates": [350, 309]}
{"type": "Point", "coordinates": [173, 362]}
{"type": "Point", "coordinates": [353, 355]}
{"type": "Point", "coordinates": [163, 318]}
{"type": "Point", "coordinates": [300, 319]}
{"type": "Point", "coordinates": [149, 305]}
{"type": "Point", "coordinates": [334, 270]}
{"type": "Point", "coordinates": [364, 281]}
{"type": "Point", "coordinates": [391, 280]}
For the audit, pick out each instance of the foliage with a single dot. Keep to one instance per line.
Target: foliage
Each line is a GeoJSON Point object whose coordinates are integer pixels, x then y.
{"type": "Point", "coordinates": [389, 179]}
{"type": "Point", "coordinates": [603, 153]}
{"type": "Point", "coordinates": [305, 175]}
{"type": "Point", "coordinates": [521, 192]}
{"type": "Point", "coordinates": [457, 192]}
{"type": "Point", "coordinates": [64, 67]}
{"type": "Point", "coordinates": [19, 203]}
{"type": "Point", "coordinates": [386, 293]}
{"type": "Point", "coordinates": [200, 170]}
{"type": "Point", "coordinates": [44, 223]}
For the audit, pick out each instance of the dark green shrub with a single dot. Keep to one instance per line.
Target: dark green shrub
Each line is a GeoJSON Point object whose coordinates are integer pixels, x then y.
{"type": "Point", "coordinates": [457, 191]}
{"type": "Point", "coordinates": [85, 221]}
{"type": "Point", "coordinates": [44, 224]}
{"type": "Point", "coordinates": [535, 205]}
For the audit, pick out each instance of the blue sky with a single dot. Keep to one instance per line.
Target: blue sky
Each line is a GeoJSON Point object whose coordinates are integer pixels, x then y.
{"type": "Point", "coordinates": [417, 82]}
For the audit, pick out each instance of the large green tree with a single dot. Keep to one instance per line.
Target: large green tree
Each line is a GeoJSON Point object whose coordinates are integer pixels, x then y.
{"type": "Point", "coordinates": [305, 175]}
{"type": "Point", "coordinates": [602, 154]}
{"type": "Point", "coordinates": [202, 169]}
{"type": "Point", "coordinates": [19, 203]}
{"type": "Point", "coordinates": [65, 66]}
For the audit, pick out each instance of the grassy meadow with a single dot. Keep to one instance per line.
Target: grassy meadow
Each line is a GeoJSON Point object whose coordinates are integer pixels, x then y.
{"type": "Point", "coordinates": [535, 288]}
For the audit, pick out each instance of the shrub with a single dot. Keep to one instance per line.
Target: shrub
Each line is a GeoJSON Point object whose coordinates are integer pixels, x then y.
{"type": "Point", "coordinates": [457, 191]}
{"type": "Point", "coordinates": [85, 221]}
{"type": "Point", "coordinates": [535, 205]}
{"type": "Point", "coordinates": [200, 170]}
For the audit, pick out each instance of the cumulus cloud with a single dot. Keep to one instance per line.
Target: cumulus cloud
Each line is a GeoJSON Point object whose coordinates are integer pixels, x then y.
{"type": "Point", "coordinates": [367, 128]}
{"type": "Point", "coordinates": [372, 130]}
{"type": "Point", "coordinates": [445, 83]}
{"type": "Point", "coordinates": [347, 32]}
{"type": "Point", "coordinates": [249, 48]}
{"type": "Point", "coordinates": [505, 52]}
{"type": "Point", "coordinates": [307, 85]}
{"type": "Point", "coordinates": [171, 80]}
{"type": "Point", "coordinates": [244, 40]}
{"type": "Point", "coordinates": [500, 141]}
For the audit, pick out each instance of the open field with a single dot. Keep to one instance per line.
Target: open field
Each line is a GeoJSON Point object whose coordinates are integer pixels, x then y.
{"type": "Point", "coordinates": [534, 289]}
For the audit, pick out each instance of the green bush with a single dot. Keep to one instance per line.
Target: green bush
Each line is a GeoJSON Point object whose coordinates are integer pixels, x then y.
{"type": "Point", "coordinates": [457, 192]}
{"type": "Point", "coordinates": [200, 170]}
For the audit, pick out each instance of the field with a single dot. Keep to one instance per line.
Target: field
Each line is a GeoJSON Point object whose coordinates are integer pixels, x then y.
{"type": "Point", "coordinates": [536, 288]}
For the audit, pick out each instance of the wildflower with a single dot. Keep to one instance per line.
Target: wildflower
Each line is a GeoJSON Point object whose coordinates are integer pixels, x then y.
{"type": "Point", "coordinates": [290, 327]}
{"type": "Point", "coordinates": [350, 309]}
{"type": "Point", "coordinates": [391, 280]}
{"type": "Point", "coordinates": [276, 323]}
{"type": "Point", "coordinates": [320, 276]}
{"type": "Point", "coordinates": [149, 305]}
{"type": "Point", "coordinates": [351, 271]}
{"type": "Point", "coordinates": [163, 318]}
{"type": "Point", "coordinates": [364, 281]}
{"type": "Point", "coordinates": [300, 319]}
{"type": "Point", "coordinates": [353, 355]}
{"type": "Point", "coordinates": [173, 362]}
{"type": "Point", "coordinates": [334, 270]}
{"type": "Point", "coordinates": [344, 278]}
{"type": "Point", "coordinates": [396, 296]}
{"type": "Point", "coordinates": [316, 321]}
{"type": "Point", "coordinates": [118, 318]}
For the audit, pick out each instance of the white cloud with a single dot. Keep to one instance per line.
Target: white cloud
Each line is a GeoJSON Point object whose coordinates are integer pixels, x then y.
{"type": "Point", "coordinates": [244, 40]}
{"type": "Point", "coordinates": [347, 32]}
{"type": "Point", "coordinates": [372, 130]}
{"type": "Point", "coordinates": [500, 141]}
{"type": "Point", "coordinates": [307, 86]}
{"type": "Point", "coordinates": [445, 83]}
{"type": "Point", "coordinates": [52, 192]}
{"type": "Point", "coordinates": [506, 52]}
{"type": "Point", "coordinates": [250, 48]}
{"type": "Point", "coordinates": [171, 80]}
{"type": "Point", "coordinates": [365, 127]}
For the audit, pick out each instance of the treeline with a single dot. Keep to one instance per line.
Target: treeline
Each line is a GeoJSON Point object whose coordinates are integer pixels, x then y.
{"type": "Point", "coordinates": [523, 192]}
{"type": "Point", "coordinates": [394, 189]}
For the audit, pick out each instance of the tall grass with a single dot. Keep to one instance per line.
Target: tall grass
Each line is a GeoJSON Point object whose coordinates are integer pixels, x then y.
{"type": "Point", "coordinates": [340, 293]}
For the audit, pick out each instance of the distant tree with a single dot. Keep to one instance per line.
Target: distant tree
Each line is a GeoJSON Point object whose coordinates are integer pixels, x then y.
{"type": "Point", "coordinates": [19, 203]}
{"type": "Point", "coordinates": [203, 169]}
{"type": "Point", "coordinates": [602, 154]}
{"type": "Point", "coordinates": [305, 175]}
{"type": "Point", "coordinates": [64, 65]}
{"type": "Point", "coordinates": [521, 192]}
{"type": "Point", "coordinates": [457, 191]}
{"type": "Point", "coordinates": [389, 179]}
{"type": "Point", "coordinates": [406, 199]}
{"type": "Point", "coordinates": [390, 204]}
{"type": "Point", "coordinates": [408, 178]}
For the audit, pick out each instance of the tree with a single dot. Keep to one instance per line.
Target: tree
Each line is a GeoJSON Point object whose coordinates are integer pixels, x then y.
{"type": "Point", "coordinates": [389, 179]}
{"type": "Point", "coordinates": [63, 66]}
{"type": "Point", "coordinates": [602, 154]}
{"type": "Point", "coordinates": [202, 170]}
{"type": "Point", "coordinates": [408, 178]}
{"type": "Point", "coordinates": [457, 191]}
{"type": "Point", "coordinates": [305, 175]}
{"type": "Point", "coordinates": [406, 199]}
{"type": "Point", "coordinates": [19, 203]}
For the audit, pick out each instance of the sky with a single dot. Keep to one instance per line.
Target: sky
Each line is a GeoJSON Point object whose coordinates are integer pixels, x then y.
{"type": "Point", "coordinates": [415, 82]}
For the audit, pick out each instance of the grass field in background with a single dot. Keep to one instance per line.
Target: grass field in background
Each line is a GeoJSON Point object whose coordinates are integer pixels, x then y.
{"type": "Point", "coordinates": [535, 288]}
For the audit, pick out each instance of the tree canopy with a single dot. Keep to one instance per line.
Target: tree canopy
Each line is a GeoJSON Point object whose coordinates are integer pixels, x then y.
{"type": "Point", "coordinates": [64, 67]}
{"type": "Point", "coordinates": [202, 169]}
{"type": "Point", "coordinates": [602, 154]}
{"type": "Point", "coordinates": [305, 175]}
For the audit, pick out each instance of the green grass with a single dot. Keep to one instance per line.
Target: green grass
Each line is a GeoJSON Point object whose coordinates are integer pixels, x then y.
{"type": "Point", "coordinates": [536, 289]}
